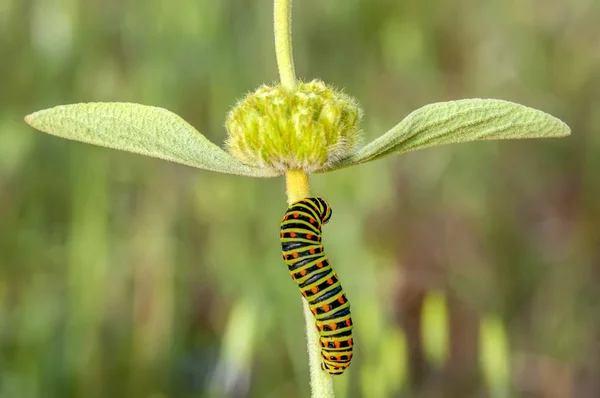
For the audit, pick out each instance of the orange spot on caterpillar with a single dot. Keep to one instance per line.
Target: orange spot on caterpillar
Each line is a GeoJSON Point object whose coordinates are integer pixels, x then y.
{"type": "Point", "coordinates": [326, 307]}
{"type": "Point", "coordinates": [295, 255]}
{"type": "Point", "coordinates": [312, 250]}
{"type": "Point", "coordinates": [296, 215]}
{"type": "Point", "coordinates": [337, 344]}
{"type": "Point", "coordinates": [330, 281]}
{"type": "Point", "coordinates": [320, 264]}
{"type": "Point", "coordinates": [308, 236]}
{"type": "Point", "coordinates": [303, 272]}
{"type": "Point", "coordinates": [350, 342]}
{"type": "Point", "coordinates": [292, 234]}
{"type": "Point", "coordinates": [341, 300]}
{"type": "Point", "coordinates": [332, 326]}
{"type": "Point", "coordinates": [312, 220]}
{"type": "Point", "coordinates": [339, 358]}
{"type": "Point", "coordinates": [315, 289]}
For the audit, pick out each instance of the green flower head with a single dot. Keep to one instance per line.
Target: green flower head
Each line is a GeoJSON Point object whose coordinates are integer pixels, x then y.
{"type": "Point", "coordinates": [306, 129]}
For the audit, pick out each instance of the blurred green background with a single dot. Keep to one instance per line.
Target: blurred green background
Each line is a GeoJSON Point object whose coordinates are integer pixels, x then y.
{"type": "Point", "coordinates": [473, 270]}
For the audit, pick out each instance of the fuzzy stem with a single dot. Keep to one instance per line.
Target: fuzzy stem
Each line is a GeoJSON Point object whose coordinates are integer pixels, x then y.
{"type": "Point", "coordinates": [282, 24]}
{"type": "Point", "coordinates": [321, 384]}
{"type": "Point", "coordinates": [297, 185]}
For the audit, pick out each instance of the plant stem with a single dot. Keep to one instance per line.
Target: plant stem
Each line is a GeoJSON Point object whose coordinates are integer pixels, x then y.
{"type": "Point", "coordinates": [297, 185]}
{"type": "Point", "coordinates": [321, 384]}
{"type": "Point", "coordinates": [282, 24]}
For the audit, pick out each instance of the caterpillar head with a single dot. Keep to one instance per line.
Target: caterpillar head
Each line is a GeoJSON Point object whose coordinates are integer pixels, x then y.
{"type": "Point", "coordinates": [307, 128]}
{"type": "Point", "coordinates": [325, 210]}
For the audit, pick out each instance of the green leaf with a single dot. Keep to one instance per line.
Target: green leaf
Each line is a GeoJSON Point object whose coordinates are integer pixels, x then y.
{"type": "Point", "coordinates": [459, 121]}
{"type": "Point", "coordinates": [142, 129]}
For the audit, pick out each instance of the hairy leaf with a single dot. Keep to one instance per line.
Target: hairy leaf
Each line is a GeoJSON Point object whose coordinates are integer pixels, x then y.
{"type": "Point", "coordinates": [142, 129]}
{"type": "Point", "coordinates": [459, 121]}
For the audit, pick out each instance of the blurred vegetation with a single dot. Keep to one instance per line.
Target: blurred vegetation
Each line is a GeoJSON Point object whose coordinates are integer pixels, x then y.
{"type": "Point", "coordinates": [473, 270]}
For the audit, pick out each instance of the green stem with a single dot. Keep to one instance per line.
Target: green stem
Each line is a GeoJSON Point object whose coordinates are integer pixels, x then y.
{"type": "Point", "coordinates": [321, 383]}
{"type": "Point", "coordinates": [282, 24]}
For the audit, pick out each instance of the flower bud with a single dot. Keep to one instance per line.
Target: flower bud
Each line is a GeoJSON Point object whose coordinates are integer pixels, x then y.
{"type": "Point", "coordinates": [306, 129]}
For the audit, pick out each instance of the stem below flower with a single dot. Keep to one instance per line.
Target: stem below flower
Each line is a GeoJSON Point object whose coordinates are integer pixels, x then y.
{"type": "Point", "coordinates": [321, 384]}
{"type": "Point", "coordinates": [282, 24]}
{"type": "Point", "coordinates": [297, 185]}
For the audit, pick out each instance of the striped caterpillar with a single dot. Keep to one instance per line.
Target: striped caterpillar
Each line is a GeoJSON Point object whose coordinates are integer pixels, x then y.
{"type": "Point", "coordinates": [303, 253]}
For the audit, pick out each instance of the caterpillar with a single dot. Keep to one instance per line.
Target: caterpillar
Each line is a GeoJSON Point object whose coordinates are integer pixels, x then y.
{"type": "Point", "coordinates": [309, 267]}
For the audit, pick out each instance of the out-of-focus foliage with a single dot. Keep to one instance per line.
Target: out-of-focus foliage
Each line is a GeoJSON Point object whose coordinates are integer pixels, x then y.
{"type": "Point", "coordinates": [126, 276]}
